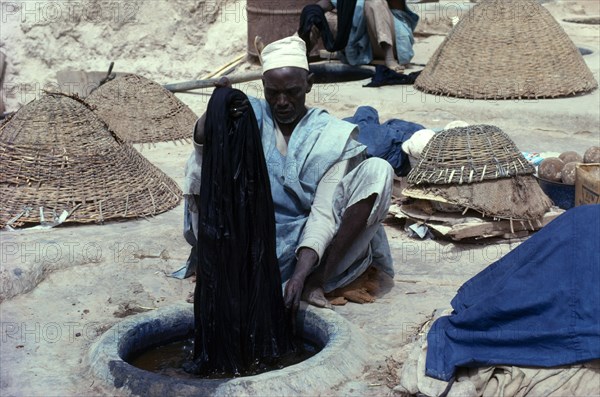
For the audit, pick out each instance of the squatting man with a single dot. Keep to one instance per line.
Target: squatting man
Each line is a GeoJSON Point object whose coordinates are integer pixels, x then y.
{"type": "Point", "coordinates": [329, 199]}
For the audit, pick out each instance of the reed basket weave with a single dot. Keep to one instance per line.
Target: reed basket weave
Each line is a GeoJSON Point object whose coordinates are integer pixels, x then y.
{"type": "Point", "coordinates": [142, 111]}
{"type": "Point", "coordinates": [504, 49]}
{"type": "Point", "coordinates": [467, 155]}
{"type": "Point", "coordinates": [58, 155]}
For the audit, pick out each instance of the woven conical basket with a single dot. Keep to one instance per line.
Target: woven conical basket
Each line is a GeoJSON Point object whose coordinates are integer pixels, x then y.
{"type": "Point", "coordinates": [142, 111]}
{"type": "Point", "coordinates": [467, 155]}
{"type": "Point", "coordinates": [505, 49]}
{"type": "Point", "coordinates": [58, 155]}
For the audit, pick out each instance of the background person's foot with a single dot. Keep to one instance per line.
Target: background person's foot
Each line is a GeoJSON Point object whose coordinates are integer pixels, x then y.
{"type": "Point", "coordinates": [390, 59]}
{"type": "Point", "coordinates": [395, 66]}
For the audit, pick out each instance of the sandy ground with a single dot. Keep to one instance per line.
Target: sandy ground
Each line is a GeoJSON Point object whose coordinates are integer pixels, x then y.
{"type": "Point", "coordinates": [60, 289]}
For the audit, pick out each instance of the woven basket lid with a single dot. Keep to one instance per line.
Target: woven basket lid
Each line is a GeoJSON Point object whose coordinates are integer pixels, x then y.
{"type": "Point", "coordinates": [142, 111]}
{"type": "Point", "coordinates": [505, 49]}
{"type": "Point", "coordinates": [58, 155]}
{"type": "Point", "coordinates": [467, 155]}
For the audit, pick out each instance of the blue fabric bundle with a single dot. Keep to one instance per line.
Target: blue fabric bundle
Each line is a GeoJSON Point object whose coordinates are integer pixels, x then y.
{"type": "Point", "coordinates": [384, 140]}
{"type": "Point", "coordinates": [386, 76]}
{"type": "Point", "coordinates": [537, 306]}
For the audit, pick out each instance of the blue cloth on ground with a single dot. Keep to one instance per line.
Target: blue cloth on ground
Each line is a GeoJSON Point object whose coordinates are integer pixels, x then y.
{"type": "Point", "coordinates": [537, 306]}
{"type": "Point", "coordinates": [384, 140]}
{"type": "Point", "coordinates": [386, 76]}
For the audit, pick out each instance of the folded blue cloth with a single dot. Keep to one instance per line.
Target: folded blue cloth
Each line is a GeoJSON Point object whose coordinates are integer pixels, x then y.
{"type": "Point", "coordinates": [386, 76]}
{"type": "Point", "coordinates": [539, 305]}
{"type": "Point", "coordinates": [384, 140]}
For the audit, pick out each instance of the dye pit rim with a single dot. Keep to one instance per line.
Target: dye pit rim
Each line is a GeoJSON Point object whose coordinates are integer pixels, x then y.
{"type": "Point", "coordinates": [342, 358]}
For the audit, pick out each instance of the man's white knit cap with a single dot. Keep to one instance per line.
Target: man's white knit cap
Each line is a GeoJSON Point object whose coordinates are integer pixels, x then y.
{"type": "Point", "coordinates": [287, 52]}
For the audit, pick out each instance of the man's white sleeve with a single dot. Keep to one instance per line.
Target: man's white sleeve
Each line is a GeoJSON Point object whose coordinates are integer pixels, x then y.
{"type": "Point", "coordinates": [321, 226]}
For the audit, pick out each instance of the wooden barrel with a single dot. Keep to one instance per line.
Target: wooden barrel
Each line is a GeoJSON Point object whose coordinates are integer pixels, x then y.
{"type": "Point", "coordinates": [273, 20]}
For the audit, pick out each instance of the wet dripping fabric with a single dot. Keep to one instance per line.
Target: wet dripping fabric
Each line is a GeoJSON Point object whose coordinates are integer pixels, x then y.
{"type": "Point", "coordinates": [240, 317]}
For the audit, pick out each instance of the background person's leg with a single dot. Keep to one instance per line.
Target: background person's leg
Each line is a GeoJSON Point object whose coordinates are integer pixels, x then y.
{"type": "Point", "coordinates": [380, 25]}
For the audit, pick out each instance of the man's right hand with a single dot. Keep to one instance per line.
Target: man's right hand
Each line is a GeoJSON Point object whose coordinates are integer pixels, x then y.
{"type": "Point", "coordinates": [293, 293]}
{"type": "Point", "coordinates": [291, 298]}
{"type": "Point", "coordinates": [307, 259]}
{"type": "Point", "coordinates": [223, 83]}
{"type": "Point", "coordinates": [237, 107]}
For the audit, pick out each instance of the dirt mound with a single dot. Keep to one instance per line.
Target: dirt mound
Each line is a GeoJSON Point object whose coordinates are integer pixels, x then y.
{"type": "Point", "coordinates": [165, 41]}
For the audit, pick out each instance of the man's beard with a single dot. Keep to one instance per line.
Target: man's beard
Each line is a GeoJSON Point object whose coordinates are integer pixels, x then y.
{"type": "Point", "coordinates": [288, 120]}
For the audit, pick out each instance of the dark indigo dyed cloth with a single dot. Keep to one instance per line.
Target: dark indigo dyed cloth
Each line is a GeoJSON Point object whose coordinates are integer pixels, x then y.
{"type": "Point", "coordinates": [240, 318]}
{"type": "Point", "coordinates": [313, 14]}
{"type": "Point", "coordinates": [384, 140]}
{"type": "Point", "coordinates": [386, 76]}
{"type": "Point", "coordinates": [539, 305]}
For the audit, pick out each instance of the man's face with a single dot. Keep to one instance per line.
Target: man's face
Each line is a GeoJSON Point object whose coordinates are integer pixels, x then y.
{"type": "Point", "coordinates": [285, 92]}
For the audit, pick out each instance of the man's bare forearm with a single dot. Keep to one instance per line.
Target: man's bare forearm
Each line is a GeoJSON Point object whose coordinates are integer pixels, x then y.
{"type": "Point", "coordinates": [307, 259]}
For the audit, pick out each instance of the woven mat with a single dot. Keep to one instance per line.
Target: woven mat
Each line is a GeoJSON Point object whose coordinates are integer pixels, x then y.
{"type": "Point", "coordinates": [505, 49]}
{"type": "Point", "coordinates": [58, 155]}
{"type": "Point", "coordinates": [467, 155]}
{"type": "Point", "coordinates": [142, 111]}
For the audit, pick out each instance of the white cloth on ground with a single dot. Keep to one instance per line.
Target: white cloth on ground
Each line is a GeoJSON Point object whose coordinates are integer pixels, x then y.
{"type": "Point", "coordinates": [497, 381]}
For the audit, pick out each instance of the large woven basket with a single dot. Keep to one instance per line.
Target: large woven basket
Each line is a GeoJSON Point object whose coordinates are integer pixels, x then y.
{"type": "Point", "coordinates": [56, 154]}
{"type": "Point", "coordinates": [505, 49]}
{"type": "Point", "coordinates": [142, 111]}
{"type": "Point", "coordinates": [467, 155]}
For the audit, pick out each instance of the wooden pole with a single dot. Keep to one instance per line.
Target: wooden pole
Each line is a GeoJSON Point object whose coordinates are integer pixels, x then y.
{"type": "Point", "coordinates": [210, 83]}
{"type": "Point", "coordinates": [324, 73]}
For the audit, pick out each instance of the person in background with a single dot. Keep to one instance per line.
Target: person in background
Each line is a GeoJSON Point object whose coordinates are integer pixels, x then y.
{"type": "Point", "coordinates": [380, 30]}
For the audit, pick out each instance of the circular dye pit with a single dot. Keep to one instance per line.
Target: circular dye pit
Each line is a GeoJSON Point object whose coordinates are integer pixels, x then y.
{"type": "Point", "coordinates": [335, 353]}
{"type": "Point", "coordinates": [168, 358]}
